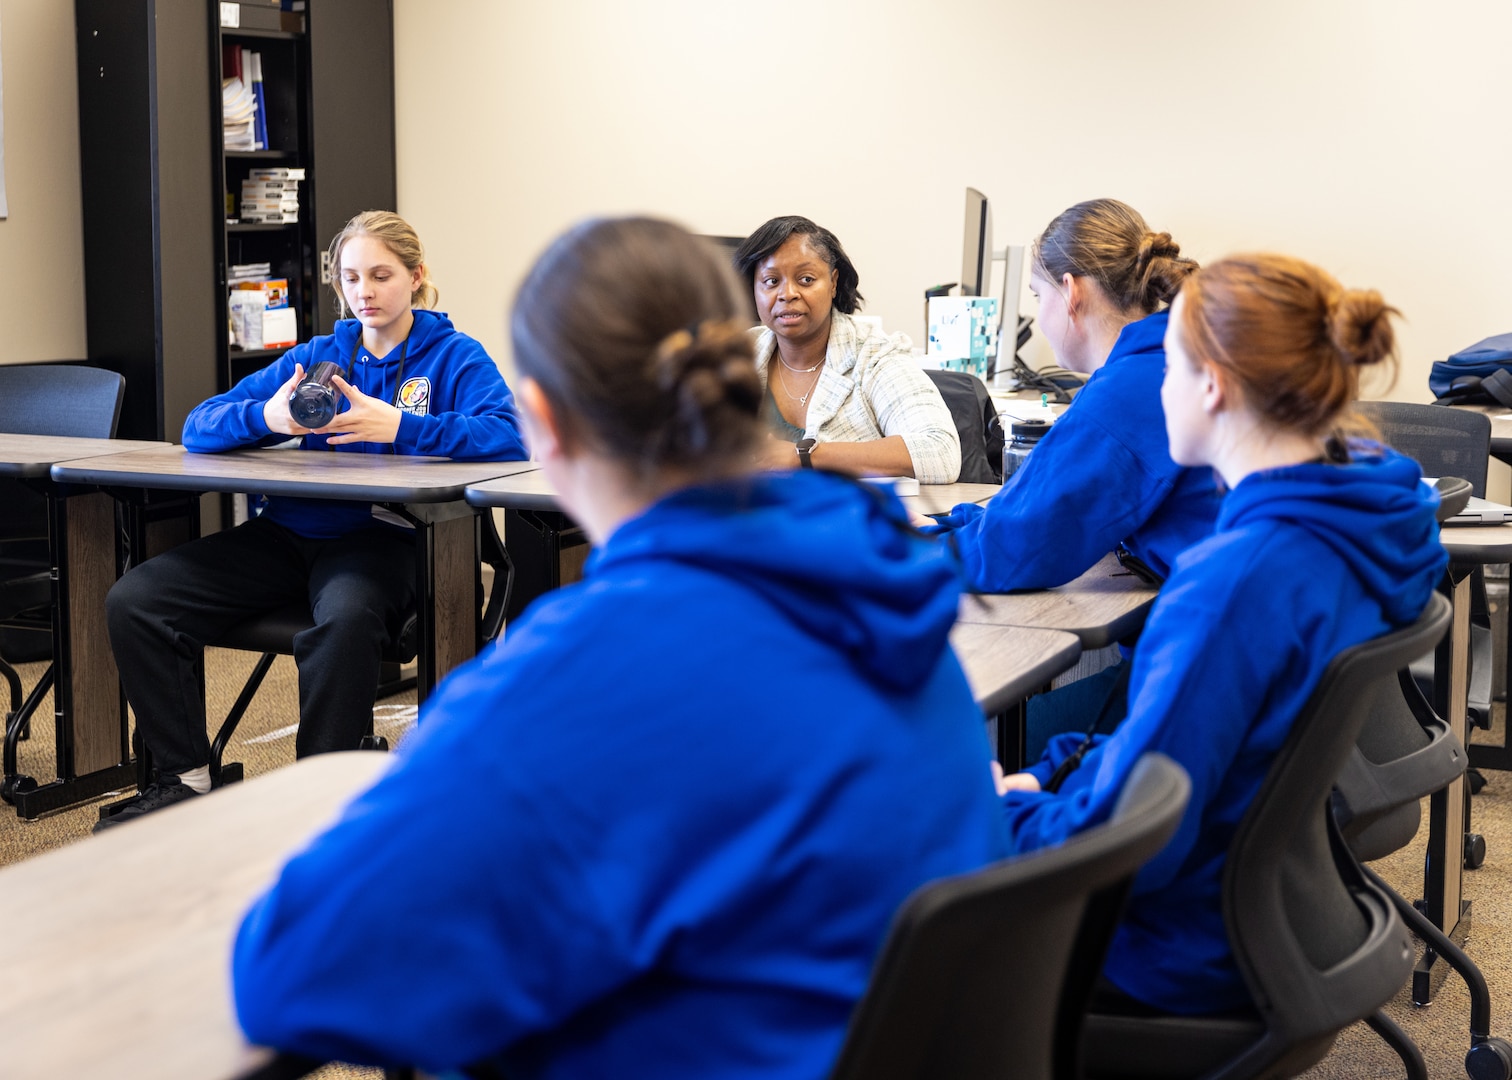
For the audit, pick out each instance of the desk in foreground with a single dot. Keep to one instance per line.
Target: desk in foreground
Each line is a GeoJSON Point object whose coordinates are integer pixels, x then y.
{"type": "Point", "coordinates": [1005, 664]}
{"type": "Point", "coordinates": [124, 966]}
{"type": "Point", "coordinates": [431, 488]}
{"type": "Point", "coordinates": [1105, 605]}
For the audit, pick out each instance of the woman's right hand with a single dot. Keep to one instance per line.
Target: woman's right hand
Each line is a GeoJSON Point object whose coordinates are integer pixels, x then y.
{"type": "Point", "coordinates": [276, 408]}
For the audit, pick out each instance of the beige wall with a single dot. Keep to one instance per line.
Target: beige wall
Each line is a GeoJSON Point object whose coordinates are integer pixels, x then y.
{"type": "Point", "coordinates": [41, 242]}
{"type": "Point", "coordinates": [1372, 136]}
{"type": "Point", "coordinates": [1369, 135]}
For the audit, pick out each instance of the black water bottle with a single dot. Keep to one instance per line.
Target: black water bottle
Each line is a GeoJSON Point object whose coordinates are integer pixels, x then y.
{"type": "Point", "coordinates": [313, 402]}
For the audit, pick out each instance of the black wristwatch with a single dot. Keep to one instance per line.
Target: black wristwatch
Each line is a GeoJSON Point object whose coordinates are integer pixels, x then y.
{"type": "Point", "coordinates": [805, 447]}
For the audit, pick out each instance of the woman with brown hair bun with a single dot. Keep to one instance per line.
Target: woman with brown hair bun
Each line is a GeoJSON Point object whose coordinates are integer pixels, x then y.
{"type": "Point", "coordinates": [1322, 543]}
{"type": "Point", "coordinates": [1101, 478]}
{"type": "Point", "coordinates": [662, 829]}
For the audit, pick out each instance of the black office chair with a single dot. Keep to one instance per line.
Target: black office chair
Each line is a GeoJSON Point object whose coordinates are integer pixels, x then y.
{"type": "Point", "coordinates": [987, 975]}
{"type": "Point", "coordinates": [977, 423]}
{"type": "Point", "coordinates": [1448, 442]}
{"type": "Point", "coordinates": [39, 399]}
{"type": "Point", "coordinates": [1319, 945]}
{"type": "Point", "coordinates": [1405, 752]}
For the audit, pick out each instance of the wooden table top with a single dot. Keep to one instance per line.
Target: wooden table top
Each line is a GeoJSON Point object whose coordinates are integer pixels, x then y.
{"type": "Point", "coordinates": [374, 477]}
{"type": "Point", "coordinates": [123, 966]}
{"type": "Point", "coordinates": [940, 498]}
{"type": "Point", "coordinates": [532, 491]}
{"type": "Point", "coordinates": [33, 456]}
{"type": "Point", "coordinates": [518, 491]}
{"type": "Point", "coordinates": [1104, 605]}
{"type": "Point", "coordinates": [1005, 664]}
{"type": "Point", "coordinates": [1477, 544]}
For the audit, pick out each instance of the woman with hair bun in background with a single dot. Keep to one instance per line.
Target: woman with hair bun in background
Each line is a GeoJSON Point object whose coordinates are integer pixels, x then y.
{"type": "Point", "coordinates": [1322, 543]}
{"type": "Point", "coordinates": [1102, 478]}
{"type": "Point", "coordinates": [663, 828]}
{"type": "Point", "coordinates": [1102, 475]}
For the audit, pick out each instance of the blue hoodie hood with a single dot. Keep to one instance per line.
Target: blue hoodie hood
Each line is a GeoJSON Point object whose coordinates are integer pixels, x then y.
{"type": "Point", "coordinates": [429, 328]}
{"type": "Point", "coordinates": [1374, 512]}
{"type": "Point", "coordinates": [837, 558]}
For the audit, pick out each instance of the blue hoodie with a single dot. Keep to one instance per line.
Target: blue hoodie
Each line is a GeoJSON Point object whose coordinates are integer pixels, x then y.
{"type": "Point", "coordinates": [1102, 475]}
{"type": "Point", "coordinates": [1306, 561]}
{"type": "Point", "coordinates": [661, 831]}
{"type": "Point", "coordinates": [453, 399]}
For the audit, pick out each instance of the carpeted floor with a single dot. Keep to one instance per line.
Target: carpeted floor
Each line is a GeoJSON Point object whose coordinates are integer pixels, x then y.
{"type": "Point", "coordinates": [265, 740]}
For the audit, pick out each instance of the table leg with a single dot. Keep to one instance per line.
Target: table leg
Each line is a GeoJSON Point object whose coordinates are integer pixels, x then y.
{"type": "Point", "coordinates": [89, 707]}
{"type": "Point", "coordinates": [1443, 900]}
{"type": "Point", "coordinates": [448, 600]}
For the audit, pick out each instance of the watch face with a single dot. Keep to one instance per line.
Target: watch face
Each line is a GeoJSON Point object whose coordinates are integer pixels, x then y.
{"type": "Point", "coordinates": [805, 445]}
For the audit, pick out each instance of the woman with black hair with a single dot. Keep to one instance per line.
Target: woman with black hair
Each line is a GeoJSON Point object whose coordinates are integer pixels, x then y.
{"type": "Point", "coordinates": [841, 394]}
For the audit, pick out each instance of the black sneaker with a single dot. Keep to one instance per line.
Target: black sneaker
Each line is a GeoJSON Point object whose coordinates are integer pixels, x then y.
{"type": "Point", "coordinates": [165, 791]}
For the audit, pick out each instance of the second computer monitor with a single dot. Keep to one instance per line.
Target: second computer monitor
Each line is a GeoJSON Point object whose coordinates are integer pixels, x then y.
{"type": "Point", "coordinates": [976, 246]}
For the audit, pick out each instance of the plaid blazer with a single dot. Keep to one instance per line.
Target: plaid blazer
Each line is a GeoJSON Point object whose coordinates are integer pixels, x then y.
{"type": "Point", "coordinates": [871, 387]}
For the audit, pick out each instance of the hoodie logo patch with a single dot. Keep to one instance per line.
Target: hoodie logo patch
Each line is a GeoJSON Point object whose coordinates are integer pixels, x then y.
{"type": "Point", "coordinates": [414, 396]}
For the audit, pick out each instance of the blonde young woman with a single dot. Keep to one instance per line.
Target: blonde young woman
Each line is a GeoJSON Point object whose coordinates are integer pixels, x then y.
{"type": "Point", "coordinates": [408, 383]}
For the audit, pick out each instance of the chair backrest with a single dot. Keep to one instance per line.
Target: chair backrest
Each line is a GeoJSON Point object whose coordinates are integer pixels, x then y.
{"type": "Point", "coordinates": [60, 399]}
{"type": "Point", "coordinates": [1444, 441]}
{"type": "Point", "coordinates": [988, 974]}
{"type": "Point", "coordinates": [1405, 751]}
{"type": "Point", "coordinates": [977, 423]}
{"type": "Point", "coordinates": [1319, 946]}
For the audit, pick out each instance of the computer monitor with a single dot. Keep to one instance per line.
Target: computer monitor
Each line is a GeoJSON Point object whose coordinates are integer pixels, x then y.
{"type": "Point", "coordinates": [976, 246]}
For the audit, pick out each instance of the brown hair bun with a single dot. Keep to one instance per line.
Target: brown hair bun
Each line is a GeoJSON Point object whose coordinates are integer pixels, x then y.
{"type": "Point", "coordinates": [707, 377]}
{"type": "Point", "coordinates": [1108, 241]}
{"type": "Point", "coordinates": [630, 327]}
{"type": "Point", "coordinates": [1359, 325]}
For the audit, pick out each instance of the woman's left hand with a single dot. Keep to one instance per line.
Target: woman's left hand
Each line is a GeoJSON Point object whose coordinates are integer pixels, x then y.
{"type": "Point", "coordinates": [368, 419]}
{"type": "Point", "coordinates": [774, 453]}
{"type": "Point", "coordinates": [1019, 781]}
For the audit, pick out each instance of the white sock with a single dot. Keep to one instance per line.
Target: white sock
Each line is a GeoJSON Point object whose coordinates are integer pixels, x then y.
{"type": "Point", "coordinates": [197, 780]}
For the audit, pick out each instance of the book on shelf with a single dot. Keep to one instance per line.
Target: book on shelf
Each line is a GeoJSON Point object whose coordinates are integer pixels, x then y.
{"type": "Point", "coordinates": [244, 109]}
{"type": "Point", "coordinates": [281, 172]}
{"type": "Point", "coordinates": [280, 328]}
{"type": "Point", "coordinates": [262, 100]}
{"type": "Point", "coordinates": [260, 316]}
{"type": "Point", "coordinates": [275, 291]}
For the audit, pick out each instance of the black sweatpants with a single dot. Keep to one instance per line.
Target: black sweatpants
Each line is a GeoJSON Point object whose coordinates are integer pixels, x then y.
{"type": "Point", "coordinates": [360, 587]}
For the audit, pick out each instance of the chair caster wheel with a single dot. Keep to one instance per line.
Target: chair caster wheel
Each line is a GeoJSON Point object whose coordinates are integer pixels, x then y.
{"type": "Point", "coordinates": [1489, 1059]}
{"type": "Point", "coordinates": [374, 742]}
{"type": "Point", "coordinates": [1476, 779]}
{"type": "Point", "coordinates": [1475, 850]}
{"type": "Point", "coordinates": [16, 785]}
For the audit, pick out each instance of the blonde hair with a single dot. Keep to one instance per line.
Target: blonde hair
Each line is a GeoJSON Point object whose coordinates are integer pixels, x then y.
{"type": "Point", "coordinates": [399, 237]}
{"type": "Point", "coordinates": [1108, 241]}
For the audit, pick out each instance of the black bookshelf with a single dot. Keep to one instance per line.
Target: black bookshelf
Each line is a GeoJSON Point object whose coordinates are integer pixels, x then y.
{"type": "Point", "coordinates": [155, 176]}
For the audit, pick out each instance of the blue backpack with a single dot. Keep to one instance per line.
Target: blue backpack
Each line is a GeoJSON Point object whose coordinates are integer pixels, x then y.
{"type": "Point", "coordinates": [1479, 375]}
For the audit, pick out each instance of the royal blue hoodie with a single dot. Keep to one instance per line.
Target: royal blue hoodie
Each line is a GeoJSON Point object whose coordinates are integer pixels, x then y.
{"type": "Point", "coordinates": [1306, 562]}
{"type": "Point", "coordinates": [453, 399]}
{"type": "Point", "coordinates": [1102, 475]}
{"type": "Point", "coordinates": [662, 829]}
